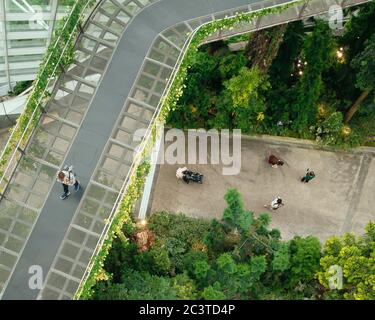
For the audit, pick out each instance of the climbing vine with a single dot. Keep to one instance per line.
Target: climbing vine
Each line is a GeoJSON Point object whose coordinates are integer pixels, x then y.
{"type": "Point", "coordinates": [123, 216]}
{"type": "Point", "coordinates": [59, 54]}
{"type": "Point", "coordinates": [134, 191]}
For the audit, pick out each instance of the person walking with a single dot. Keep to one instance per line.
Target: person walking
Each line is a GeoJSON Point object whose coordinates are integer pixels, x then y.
{"type": "Point", "coordinates": [275, 204]}
{"type": "Point", "coordinates": [275, 161]}
{"type": "Point", "coordinates": [309, 176]}
{"type": "Point", "coordinates": [67, 178]}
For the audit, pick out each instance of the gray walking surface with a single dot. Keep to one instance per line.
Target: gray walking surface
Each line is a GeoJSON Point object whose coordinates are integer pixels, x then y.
{"type": "Point", "coordinates": [96, 129]}
{"type": "Point", "coordinates": [62, 234]}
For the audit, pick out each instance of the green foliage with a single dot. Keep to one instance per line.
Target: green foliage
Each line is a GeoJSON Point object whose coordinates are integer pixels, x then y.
{"type": "Point", "coordinates": [20, 87]}
{"type": "Point", "coordinates": [201, 107]}
{"type": "Point", "coordinates": [243, 97]}
{"type": "Point", "coordinates": [161, 262]}
{"type": "Point", "coordinates": [356, 257]}
{"type": "Point", "coordinates": [331, 131]}
{"type": "Point", "coordinates": [213, 292]}
{"type": "Point", "coordinates": [217, 118]}
{"type": "Point", "coordinates": [191, 259]}
{"type": "Point", "coordinates": [305, 255]}
{"type": "Point", "coordinates": [229, 92]}
{"type": "Point", "coordinates": [185, 229]}
{"type": "Point", "coordinates": [122, 217]}
{"type": "Point", "coordinates": [254, 265]}
{"type": "Point", "coordinates": [201, 268]}
{"type": "Point", "coordinates": [230, 65]}
{"type": "Point", "coordinates": [185, 287]}
{"type": "Point", "coordinates": [363, 123]}
{"type": "Point", "coordinates": [364, 62]}
{"type": "Point", "coordinates": [234, 214]}
{"type": "Point", "coordinates": [226, 264]}
{"type": "Point", "coordinates": [318, 52]}
{"type": "Point", "coordinates": [137, 286]}
{"type": "Point", "coordinates": [281, 258]}
{"type": "Point", "coordinates": [328, 128]}
{"type": "Point", "coordinates": [359, 28]}
{"type": "Point", "coordinates": [216, 238]}
{"type": "Point", "coordinates": [258, 266]}
{"type": "Point", "coordinates": [245, 85]}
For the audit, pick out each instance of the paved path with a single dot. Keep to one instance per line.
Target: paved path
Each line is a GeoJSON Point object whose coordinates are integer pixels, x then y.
{"type": "Point", "coordinates": [4, 136]}
{"type": "Point", "coordinates": [339, 200]}
{"type": "Point", "coordinates": [96, 128]}
{"type": "Point", "coordinates": [90, 122]}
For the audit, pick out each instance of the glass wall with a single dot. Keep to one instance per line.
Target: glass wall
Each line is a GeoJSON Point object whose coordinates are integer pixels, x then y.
{"type": "Point", "coordinates": [26, 27]}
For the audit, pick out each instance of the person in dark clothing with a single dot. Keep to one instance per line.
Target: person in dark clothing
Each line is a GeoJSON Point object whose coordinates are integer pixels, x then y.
{"type": "Point", "coordinates": [275, 161]}
{"type": "Point", "coordinates": [309, 176]}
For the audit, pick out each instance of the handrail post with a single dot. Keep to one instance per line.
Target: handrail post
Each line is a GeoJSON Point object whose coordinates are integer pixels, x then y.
{"type": "Point", "coordinates": [20, 150]}
{"type": "Point", "coordinates": [80, 28]}
{"type": "Point", "coordinates": [43, 109]}
{"type": "Point", "coordinates": [2, 196]}
{"type": "Point", "coordinates": [62, 68]}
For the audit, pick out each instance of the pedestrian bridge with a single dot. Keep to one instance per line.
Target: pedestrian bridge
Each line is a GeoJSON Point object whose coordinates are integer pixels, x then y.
{"type": "Point", "coordinates": [126, 58]}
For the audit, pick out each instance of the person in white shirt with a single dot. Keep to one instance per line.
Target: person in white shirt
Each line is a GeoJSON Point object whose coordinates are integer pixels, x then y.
{"type": "Point", "coordinates": [67, 178]}
{"type": "Point", "coordinates": [275, 204]}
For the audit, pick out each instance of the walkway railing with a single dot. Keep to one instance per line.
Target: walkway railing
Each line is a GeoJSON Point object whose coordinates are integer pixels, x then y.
{"type": "Point", "coordinates": [146, 145]}
{"type": "Point", "coordinates": [139, 157]}
{"type": "Point", "coordinates": [59, 55]}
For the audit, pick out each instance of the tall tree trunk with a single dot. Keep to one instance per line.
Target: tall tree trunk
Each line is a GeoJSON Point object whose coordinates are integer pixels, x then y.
{"type": "Point", "coordinates": [354, 108]}
{"type": "Point", "coordinates": [263, 47]}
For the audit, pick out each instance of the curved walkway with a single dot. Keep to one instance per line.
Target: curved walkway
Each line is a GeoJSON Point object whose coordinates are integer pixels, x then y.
{"type": "Point", "coordinates": [123, 62]}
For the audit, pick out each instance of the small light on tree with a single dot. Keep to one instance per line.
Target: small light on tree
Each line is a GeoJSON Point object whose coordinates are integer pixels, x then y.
{"type": "Point", "coordinates": [346, 130]}
{"type": "Point", "coordinates": [321, 109]}
{"type": "Point", "coordinates": [260, 116]}
{"type": "Point", "coordinates": [340, 55]}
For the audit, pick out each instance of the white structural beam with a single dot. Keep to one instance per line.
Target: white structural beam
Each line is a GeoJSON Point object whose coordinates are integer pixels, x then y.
{"type": "Point", "coordinates": [5, 41]}
{"type": "Point", "coordinates": [150, 179]}
{"type": "Point", "coordinates": [54, 8]}
{"type": "Point", "coordinates": [33, 40]}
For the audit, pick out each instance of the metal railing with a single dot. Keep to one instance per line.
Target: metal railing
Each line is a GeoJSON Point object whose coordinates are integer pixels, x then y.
{"type": "Point", "coordinates": [247, 29]}
{"type": "Point", "coordinates": [134, 166]}
{"type": "Point", "coordinates": [38, 110]}
{"type": "Point", "coordinates": [139, 157]}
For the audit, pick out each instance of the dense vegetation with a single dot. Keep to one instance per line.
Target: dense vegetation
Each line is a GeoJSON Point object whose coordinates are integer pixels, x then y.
{"type": "Point", "coordinates": [290, 80]}
{"type": "Point", "coordinates": [238, 257]}
{"type": "Point", "coordinates": [20, 87]}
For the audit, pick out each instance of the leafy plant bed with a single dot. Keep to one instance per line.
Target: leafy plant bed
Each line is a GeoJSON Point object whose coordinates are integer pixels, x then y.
{"type": "Point", "coordinates": [123, 213]}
